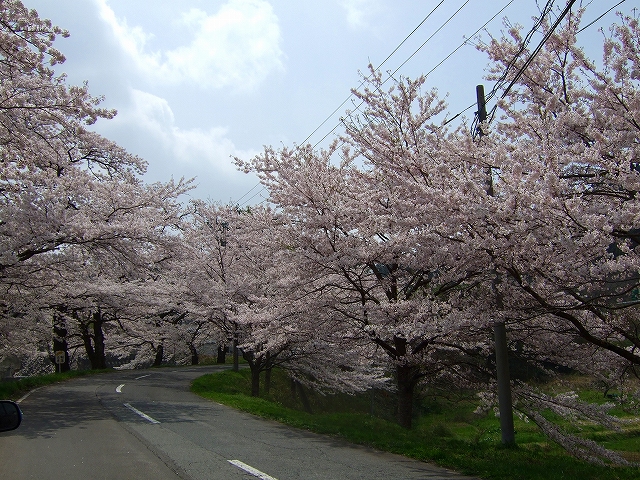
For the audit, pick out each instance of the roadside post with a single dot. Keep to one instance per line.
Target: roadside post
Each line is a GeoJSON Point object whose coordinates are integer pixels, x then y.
{"type": "Point", "coordinates": [61, 357]}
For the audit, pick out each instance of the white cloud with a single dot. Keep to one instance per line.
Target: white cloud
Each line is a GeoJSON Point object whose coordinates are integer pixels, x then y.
{"type": "Point", "coordinates": [239, 46]}
{"type": "Point", "coordinates": [196, 146]}
{"type": "Point", "coordinates": [359, 11]}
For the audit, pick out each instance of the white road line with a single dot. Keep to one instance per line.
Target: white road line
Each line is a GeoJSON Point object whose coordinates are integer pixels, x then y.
{"type": "Point", "coordinates": [27, 394]}
{"type": "Point", "coordinates": [142, 414]}
{"type": "Point", "coordinates": [138, 378]}
{"type": "Point", "coordinates": [119, 388]}
{"type": "Point", "coordinates": [251, 470]}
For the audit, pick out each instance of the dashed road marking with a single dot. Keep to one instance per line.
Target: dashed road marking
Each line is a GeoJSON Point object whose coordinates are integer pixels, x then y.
{"type": "Point", "coordinates": [253, 471]}
{"type": "Point", "coordinates": [119, 388]}
{"type": "Point", "coordinates": [142, 414]}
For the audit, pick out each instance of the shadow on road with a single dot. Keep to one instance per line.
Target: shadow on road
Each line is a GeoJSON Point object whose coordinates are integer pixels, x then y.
{"type": "Point", "coordinates": [46, 411]}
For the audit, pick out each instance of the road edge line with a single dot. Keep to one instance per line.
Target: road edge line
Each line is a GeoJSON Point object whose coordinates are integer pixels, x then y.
{"type": "Point", "coordinates": [27, 394]}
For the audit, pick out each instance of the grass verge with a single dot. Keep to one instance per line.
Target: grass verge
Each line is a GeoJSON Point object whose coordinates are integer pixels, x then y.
{"type": "Point", "coordinates": [447, 433]}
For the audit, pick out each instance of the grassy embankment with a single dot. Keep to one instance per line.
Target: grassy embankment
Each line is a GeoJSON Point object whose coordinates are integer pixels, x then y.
{"type": "Point", "coordinates": [447, 431]}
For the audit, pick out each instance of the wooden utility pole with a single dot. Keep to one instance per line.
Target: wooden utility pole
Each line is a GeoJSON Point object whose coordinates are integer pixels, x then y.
{"type": "Point", "coordinates": [482, 106]}
{"type": "Point", "coordinates": [504, 384]}
{"type": "Point", "coordinates": [505, 403]}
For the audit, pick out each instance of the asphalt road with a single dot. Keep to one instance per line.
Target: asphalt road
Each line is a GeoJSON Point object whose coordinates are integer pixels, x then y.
{"type": "Point", "coordinates": [145, 424]}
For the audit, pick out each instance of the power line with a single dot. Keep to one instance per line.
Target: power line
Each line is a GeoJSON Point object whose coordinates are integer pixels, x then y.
{"type": "Point", "coordinates": [544, 40]}
{"type": "Point", "coordinates": [588, 25]}
{"type": "Point", "coordinates": [396, 70]}
{"type": "Point", "coordinates": [379, 66]}
{"type": "Point", "coordinates": [538, 48]}
{"type": "Point", "coordinates": [462, 45]}
{"type": "Point", "coordinates": [546, 10]}
{"type": "Point", "coordinates": [428, 39]}
{"type": "Point", "coordinates": [254, 187]}
{"type": "Point", "coordinates": [409, 58]}
{"type": "Point", "coordinates": [412, 32]}
{"type": "Point", "coordinates": [472, 35]}
{"type": "Point", "coordinates": [350, 95]}
{"type": "Point", "coordinates": [252, 196]}
{"type": "Point", "coordinates": [459, 113]}
{"type": "Point", "coordinates": [501, 81]}
{"type": "Point", "coordinates": [523, 47]}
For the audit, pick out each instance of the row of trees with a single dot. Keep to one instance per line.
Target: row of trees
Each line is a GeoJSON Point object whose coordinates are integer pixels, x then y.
{"type": "Point", "coordinates": [415, 238]}
{"type": "Point", "coordinates": [78, 227]}
{"type": "Point", "coordinates": [383, 260]}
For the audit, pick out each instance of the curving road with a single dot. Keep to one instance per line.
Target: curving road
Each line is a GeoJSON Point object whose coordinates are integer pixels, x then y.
{"type": "Point", "coordinates": [145, 424]}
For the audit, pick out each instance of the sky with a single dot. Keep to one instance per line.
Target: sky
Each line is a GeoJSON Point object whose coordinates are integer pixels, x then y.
{"type": "Point", "coordinates": [196, 82]}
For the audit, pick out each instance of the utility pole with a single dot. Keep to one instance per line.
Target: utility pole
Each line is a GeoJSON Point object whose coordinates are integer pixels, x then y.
{"type": "Point", "coordinates": [482, 106]}
{"type": "Point", "coordinates": [505, 403]}
{"type": "Point", "coordinates": [504, 384]}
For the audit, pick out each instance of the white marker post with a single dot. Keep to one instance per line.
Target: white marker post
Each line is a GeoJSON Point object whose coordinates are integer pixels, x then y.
{"type": "Point", "coordinates": [61, 357]}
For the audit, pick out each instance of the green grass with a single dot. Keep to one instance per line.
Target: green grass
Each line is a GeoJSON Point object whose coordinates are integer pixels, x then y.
{"type": "Point", "coordinates": [14, 389]}
{"type": "Point", "coordinates": [447, 432]}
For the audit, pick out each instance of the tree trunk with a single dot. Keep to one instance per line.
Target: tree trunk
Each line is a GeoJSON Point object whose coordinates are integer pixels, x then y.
{"type": "Point", "coordinates": [195, 359]}
{"type": "Point", "coordinates": [60, 345]}
{"type": "Point", "coordinates": [236, 365]}
{"type": "Point", "coordinates": [94, 342]}
{"type": "Point", "coordinates": [267, 366]}
{"type": "Point", "coordinates": [405, 382]}
{"type": "Point", "coordinates": [256, 365]}
{"type": "Point", "coordinates": [255, 379]}
{"type": "Point", "coordinates": [222, 354]}
{"type": "Point", "coordinates": [88, 345]}
{"type": "Point", "coordinates": [98, 341]}
{"type": "Point", "coordinates": [504, 385]}
{"type": "Point", "coordinates": [159, 354]}
{"type": "Point", "coordinates": [405, 396]}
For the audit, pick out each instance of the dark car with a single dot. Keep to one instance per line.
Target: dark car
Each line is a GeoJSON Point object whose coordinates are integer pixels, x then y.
{"type": "Point", "coordinates": [10, 415]}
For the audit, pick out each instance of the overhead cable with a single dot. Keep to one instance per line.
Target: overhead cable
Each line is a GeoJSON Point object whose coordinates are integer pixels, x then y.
{"type": "Point", "coordinates": [350, 95]}
{"type": "Point", "coordinates": [588, 25]}
{"type": "Point", "coordinates": [254, 187]}
{"type": "Point", "coordinates": [472, 35]}
{"type": "Point", "coordinates": [410, 57]}
{"type": "Point", "coordinates": [397, 69]}
{"type": "Point", "coordinates": [428, 39]}
{"type": "Point", "coordinates": [538, 48]}
{"type": "Point", "coordinates": [379, 66]}
{"type": "Point", "coordinates": [523, 46]}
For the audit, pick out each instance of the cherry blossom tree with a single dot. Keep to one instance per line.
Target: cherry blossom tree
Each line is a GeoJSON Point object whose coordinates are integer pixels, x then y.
{"type": "Point", "coordinates": [563, 223]}
{"type": "Point", "coordinates": [381, 260]}
{"type": "Point", "coordinates": [70, 198]}
{"type": "Point", "coordinates": [206, 271]}
{"type": "Point", "coordinates": [285, 322]}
